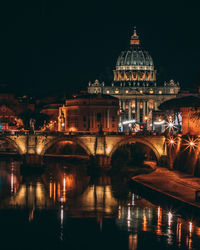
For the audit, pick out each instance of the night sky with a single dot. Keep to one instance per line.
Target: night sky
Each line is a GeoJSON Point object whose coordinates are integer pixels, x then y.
{"type": "Point", "coordinates": [60, 46]}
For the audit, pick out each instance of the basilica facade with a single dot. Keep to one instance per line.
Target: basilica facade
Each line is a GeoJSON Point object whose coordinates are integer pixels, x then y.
{"type": "Point", "coordinates": [134, 84]}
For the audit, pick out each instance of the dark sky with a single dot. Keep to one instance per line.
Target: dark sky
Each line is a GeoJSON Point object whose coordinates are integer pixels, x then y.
{"type": "Point", "coordinates": [60, 46]}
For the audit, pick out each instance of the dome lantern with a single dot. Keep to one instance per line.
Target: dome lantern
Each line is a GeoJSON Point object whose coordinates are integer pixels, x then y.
{"type": "Point", "coordinates": [134, 38]}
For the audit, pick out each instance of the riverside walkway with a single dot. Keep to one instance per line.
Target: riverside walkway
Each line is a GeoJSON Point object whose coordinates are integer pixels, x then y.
{"type": "Point", "coordinates": [178, 185]}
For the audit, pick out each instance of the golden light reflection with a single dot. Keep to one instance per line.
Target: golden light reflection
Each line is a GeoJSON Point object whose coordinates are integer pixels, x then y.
{"type": "Point", "coordinates": [198, 231]}
{"type": "Point", "coordinates": [144, 223]}
{"type": "Point", "coordinates": [54, 191]}
{"type": "Point", "coordinates": [178, 232]}
{"type": "Point", "coordinates": [159, 221]}
{"type": "Point", "coordinates": [50, 189]}
{"type": "Point", "coordinates": [133, 239]}
{"type": "Point", "coordinates": [189, 242]}
{"type": "Point", "coordinates": [12, 183]}
{"type": "Point", "coordinates": [119, 212]}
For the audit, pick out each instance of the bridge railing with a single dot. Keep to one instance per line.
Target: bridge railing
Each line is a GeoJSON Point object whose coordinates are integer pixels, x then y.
{"type": "Point", "coordinates": [75, 133]}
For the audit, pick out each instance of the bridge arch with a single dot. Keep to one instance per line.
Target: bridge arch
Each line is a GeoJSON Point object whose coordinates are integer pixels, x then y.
{"type": "Point", "coordinates": [134, 140]}
{"type": "Point", "coordinates": [12, 142]}
{"type": "Point", "coordinates": [76, 141]}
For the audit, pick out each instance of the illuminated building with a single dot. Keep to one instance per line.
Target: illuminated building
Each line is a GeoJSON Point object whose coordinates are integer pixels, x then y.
{"type": "Point", "coordinates": [188, 107]}
{"type": "Point", "coordinates": [135, 86]}
{"type": "Point", "coordinates": [10, 108]}
{"type": "Point", "coordinates": [89, 112]}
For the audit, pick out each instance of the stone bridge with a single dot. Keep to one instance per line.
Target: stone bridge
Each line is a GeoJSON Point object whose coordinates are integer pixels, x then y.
{"type": "Point", "coordinates": [93, 144]}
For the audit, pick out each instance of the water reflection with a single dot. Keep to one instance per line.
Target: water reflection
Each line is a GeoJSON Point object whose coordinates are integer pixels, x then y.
{"type": "Point", "coordinates": [73, 194]}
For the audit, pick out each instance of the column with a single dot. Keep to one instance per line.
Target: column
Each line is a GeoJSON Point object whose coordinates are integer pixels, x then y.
{"type": "Point", "coordinates": [147, 108]}
{"type": "Point", "coordinates": [155, 105]}
{"type": "Point", "coordinates": [129, 110]}
{"type": "Point", "coordinates": [120, 104]}
{"type": "Point", "coordinates": [144, 109]}
{"type": "Point", "coordinates": [138, 111]}
{"type": "Point", "coordinates": [124, 105]}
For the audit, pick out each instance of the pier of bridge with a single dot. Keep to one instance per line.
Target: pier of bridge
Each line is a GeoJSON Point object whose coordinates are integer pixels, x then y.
{"type": "Point", "coordinates": [99, 146]}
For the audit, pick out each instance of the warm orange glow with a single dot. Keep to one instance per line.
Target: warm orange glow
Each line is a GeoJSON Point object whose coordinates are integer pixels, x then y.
{"type": "Point", "coordinates": [50, 189]}
{"type": "Point", "coordinates": [171, 141]}
{"type": "Point", "coordinates": [66, 142]}
{"type": "Point", "coordinates": [54, 191]}
{"type": "Point", "coordinates": [151, 92]}
{"type": "Point", "coordinates": [159, 221]}
{"type": "Point", "coordinates": [144, 223]}
{"type": "Point", "coordinates": [119, 212]}
{"type": "Point", "coordinates": [72, 129]}
{"type": "Point", "coordinates": [178, 232]}
{"type": "Point", "coordinates": [191, 143]}
{"type": "Point", "coordinates": [146, 118]}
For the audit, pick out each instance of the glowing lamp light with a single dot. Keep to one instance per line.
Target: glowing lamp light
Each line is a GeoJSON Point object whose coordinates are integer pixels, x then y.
{"type": "Point", "coordinates": [192, 144]}
{"type": "Point", "coordinates": [63, 124]}
{"type": "Point", "coordinates": [129, 121]}
{"type": "Point", "coordinates": [39, 150]}
{"type": "Point", "coordinates": [145, 117]}
{"type": "Point", "coordinates": [170, 124]}
{"type": "Point", "coordinates": [108, 150]}
{"type": "Point", "coordinates": [171, 141]}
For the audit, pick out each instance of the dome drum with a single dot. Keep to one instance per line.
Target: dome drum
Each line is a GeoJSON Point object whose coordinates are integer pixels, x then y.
{"type": "Point", "coordinates": [135, 64]}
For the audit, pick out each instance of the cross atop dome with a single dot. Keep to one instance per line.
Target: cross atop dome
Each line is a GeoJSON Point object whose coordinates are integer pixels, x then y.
{"type": "Point", "coordinates": [134, 38]}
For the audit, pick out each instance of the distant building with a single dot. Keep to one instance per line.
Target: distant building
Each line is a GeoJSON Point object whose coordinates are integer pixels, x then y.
{"type": "Point", "coordinates": [135, 86]}
{"type": "Point", "coordinates": [90, 112]}
{"type": "Point", "coordinates": [10, 109]}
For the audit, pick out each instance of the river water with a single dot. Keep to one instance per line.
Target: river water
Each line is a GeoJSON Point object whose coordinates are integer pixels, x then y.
{"type": "Point", "coordinates": [66, 208]}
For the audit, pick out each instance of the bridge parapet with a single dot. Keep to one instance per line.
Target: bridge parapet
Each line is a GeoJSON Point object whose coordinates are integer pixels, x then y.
{"type": "Point", "coordinates": [93, 144]}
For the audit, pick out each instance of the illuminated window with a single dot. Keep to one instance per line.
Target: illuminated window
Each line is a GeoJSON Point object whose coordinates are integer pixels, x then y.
{"type": "Point", "coordinates": [160, 91]}
{"type": "Point", "coordinates": [116, 91]}
{"type": "Point", "coordinates": [141, 91]}
{"type": "Point", "coordinates": [107, 91]}
{"type": "Point", "coordinates": [151, 91]}
{"type": "Point", "coordinates": [126, 91]}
